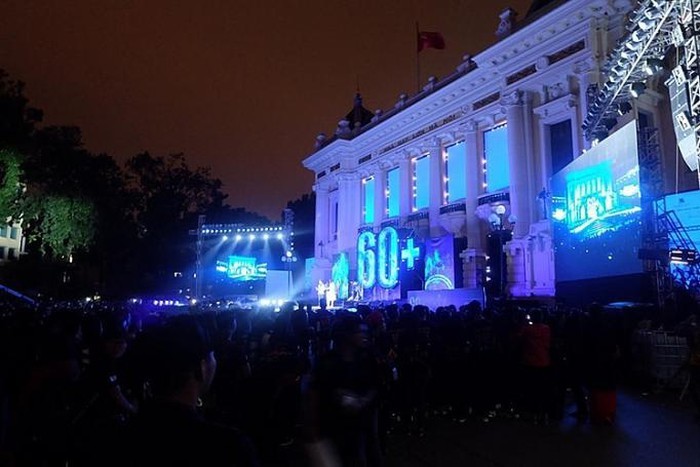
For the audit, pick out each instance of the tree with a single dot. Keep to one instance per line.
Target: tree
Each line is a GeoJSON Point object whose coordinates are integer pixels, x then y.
{"type": "Point", "coordinates": [10, 183]}
{"type": "Point", "coordinates": [17, 119]}
{"type": "Point", "coordinates": [169, 196]}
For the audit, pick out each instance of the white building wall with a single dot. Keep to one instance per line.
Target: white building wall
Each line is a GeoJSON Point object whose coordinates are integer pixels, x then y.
{"type": "Point", "coordinates": [536, 77]}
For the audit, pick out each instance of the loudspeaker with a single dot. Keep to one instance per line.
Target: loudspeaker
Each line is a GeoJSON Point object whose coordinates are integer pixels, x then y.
{"type": "Point", "coordinates": [682, 123]}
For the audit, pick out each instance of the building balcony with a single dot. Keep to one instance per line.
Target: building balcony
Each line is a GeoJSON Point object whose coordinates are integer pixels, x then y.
{"type": "Point", "coordinates": [453, 218]}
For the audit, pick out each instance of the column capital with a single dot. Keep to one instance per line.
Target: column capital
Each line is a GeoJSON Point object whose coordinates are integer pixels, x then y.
{"type": "Point", "coordinates": [321, 188]}
{"type": "Point", "coordinates": [512, 98]}
{"type": "Point", "coordinates": [469, 126]}
{"type": "Point", "coordinates": [430, 144]}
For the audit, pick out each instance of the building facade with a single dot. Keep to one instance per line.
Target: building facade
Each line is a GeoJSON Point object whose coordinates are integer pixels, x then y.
{"type": "Point", "coordinates": [11, 242]}
{"type": "Point", "coordinates": [471, 156]}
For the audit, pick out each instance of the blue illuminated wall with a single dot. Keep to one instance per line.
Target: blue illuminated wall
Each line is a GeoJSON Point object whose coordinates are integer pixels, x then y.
{"type": "Point", "coordinates": [421, 182]}
{"type": "Point", "coordinates": [392, 186]}
{"type": "Point", "coordinates": [596, 211]}
{"type": "Point", "coordinates": [340, 274]}
{"type": "Point", "coordinates": [439, 263]}
{"type": "Point", "coordinates": [368, 200]}
{"type": "Point", "coordinates": [685, 207]}
{"type": "Point", "coordinates": [455, 172]}
{"type": "Point", "coordinates": [496, 155]}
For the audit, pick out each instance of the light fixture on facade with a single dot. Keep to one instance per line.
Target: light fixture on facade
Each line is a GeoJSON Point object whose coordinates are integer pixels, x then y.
{"type": "Point", "coordinates": [653, 66]}
{"type": "Point", "coordinates": [637, 89]}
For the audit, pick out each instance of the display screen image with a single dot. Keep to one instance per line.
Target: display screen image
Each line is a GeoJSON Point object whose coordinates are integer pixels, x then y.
{"type": "Point", "coordinates": [242, 268]}
{"type": "Point", "coordinates": [439, 263]}
{"type": "Point", "coordinates": [596, 211]}
{"type": "Point", "coordinates": [240, 264]}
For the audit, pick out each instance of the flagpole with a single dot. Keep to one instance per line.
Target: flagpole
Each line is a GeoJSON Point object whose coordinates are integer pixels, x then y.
{"type": "Point", "coordinates": [417, 59]}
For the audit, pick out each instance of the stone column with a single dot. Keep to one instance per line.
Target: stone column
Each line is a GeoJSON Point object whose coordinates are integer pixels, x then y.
{"type": "Point", "coordinates": [435, 185]}
{"type": "Point", "coordinates": [474, 178]}
{"type": "Point", "coordinates": [322, 220]}
{"type": "Point", "coordinates": [379, 196]}
{"type": "Point", "coordinates": [349, 210]}
{"type": "Point", "coordinates": [517, 163]}
{"type": "Point", "coordinates": [405, 187]}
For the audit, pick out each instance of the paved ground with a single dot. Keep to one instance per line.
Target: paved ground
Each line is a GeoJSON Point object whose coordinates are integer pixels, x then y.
{"type": "Point", "coordinates": [651, 430]}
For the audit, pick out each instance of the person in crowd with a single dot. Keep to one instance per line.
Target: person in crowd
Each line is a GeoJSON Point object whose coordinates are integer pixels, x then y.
{"type": "Point", "coordinates": [321, 291]}
{"type": "Point", "coordinates": [690, 328]}
{"type": "Point", "coordinates": [602, 377]}
{"type": "Point", "coordinates": [341, 400]}
{"type": "Point", "coordinates": [535, 340]}
{"type": "Point", "coordinates": [105, 403]}
{"type": "Point", "coordinates": [179, 367]}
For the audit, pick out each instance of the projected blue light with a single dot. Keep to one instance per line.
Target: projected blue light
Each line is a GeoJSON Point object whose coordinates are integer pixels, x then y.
{"type": "Point", "coordinates": [496, 155]}
{"type": "Point", "coordinates": [340, 274]}
{"type": "Point", "coordinates": [455, 171]}
{"type": "Point", "coordinates": [421, 182]}
{"type": "Point", "coordinates": [685, 209]}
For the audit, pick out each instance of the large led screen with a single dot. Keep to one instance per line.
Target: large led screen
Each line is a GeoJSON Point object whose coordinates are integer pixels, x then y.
{"type": "Point", "coordinates": [239, 264]}
{"type": "Point", "coordinates": [596, 211]}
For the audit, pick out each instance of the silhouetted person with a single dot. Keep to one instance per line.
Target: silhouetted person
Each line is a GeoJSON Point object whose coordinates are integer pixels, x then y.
{"type": "Point", "coordinates": [342, 400]}
{"type": "Point", "coordinates": [179, 366]}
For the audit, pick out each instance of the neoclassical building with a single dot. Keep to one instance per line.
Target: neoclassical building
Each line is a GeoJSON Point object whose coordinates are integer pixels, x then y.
{"type": "Point", "coordinates": [472, 154]}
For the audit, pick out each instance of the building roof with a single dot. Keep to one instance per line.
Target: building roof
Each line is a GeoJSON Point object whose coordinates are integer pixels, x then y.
{"type": "Point", "coordinates": [540, 6]}
{"type": "Point", "coordinates": [358, 114]}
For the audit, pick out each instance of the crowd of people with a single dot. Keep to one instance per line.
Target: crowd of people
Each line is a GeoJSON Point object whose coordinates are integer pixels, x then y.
{"type": "Point", "coordinates": [112, 385]}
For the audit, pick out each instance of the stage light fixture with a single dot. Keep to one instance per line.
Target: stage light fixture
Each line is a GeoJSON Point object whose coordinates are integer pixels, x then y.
{"type": "Point", "coordinates": [638, 37]}
{"type": "Point", "coordinates": [637, 89]}
{"type": "Point", "coordinates": [266, 236]}
{"type": "Point", "coordinates": [251, 237]}
{"type": "Point", "coordinates": [280, 236]}
{"type": "Point", "coordinates": [600, 135]}
{"type": "Point", "coordinates": [683, 256]}
{"type": "Point", "coordinates": [609, 123]}
{"type": "Point", "coordinates": [623, 108]}
{"type": "Point", "coordinates": [653, 66]}
{"type": "Point", "coordinates": [239, 237]}
{"type": "Point", "coordinates": [224, 238]}
{"type": "Point", "coordinates": [628, 54]}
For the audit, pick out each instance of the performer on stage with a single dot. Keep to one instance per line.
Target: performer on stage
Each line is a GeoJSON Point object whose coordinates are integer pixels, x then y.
{"type": "Point", "coordinates": [331, 294]}
{"type": "Point", "coordinates": [321, 291]}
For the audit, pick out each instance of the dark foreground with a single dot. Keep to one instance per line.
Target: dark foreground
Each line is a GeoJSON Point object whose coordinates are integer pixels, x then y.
{"type": "Point", "coordinates": [651, 430]}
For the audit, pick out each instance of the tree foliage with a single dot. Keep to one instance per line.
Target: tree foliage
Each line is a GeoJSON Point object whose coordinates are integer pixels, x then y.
{"type": "Point", "coordinates": [68, 225]}
{"type": "Point", "coordinates": [10, 183]}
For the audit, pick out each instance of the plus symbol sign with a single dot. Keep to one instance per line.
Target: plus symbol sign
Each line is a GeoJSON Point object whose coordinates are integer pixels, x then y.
{"type": "Point", "coordinates": [410, 253]}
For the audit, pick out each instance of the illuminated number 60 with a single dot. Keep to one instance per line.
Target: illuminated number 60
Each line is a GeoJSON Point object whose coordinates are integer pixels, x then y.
{"type": "Point", "coordinates": [382, 266]}
{"type": "Point", "coordinates": [366, 261]}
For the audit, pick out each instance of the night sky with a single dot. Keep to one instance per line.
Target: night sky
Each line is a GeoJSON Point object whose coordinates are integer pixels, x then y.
{"type": "Point", "coordinates": [240, 87]}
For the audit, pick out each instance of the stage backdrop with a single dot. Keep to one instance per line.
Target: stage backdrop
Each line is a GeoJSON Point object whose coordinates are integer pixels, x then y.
{"type": "Point", "coordinates": [439, 263]}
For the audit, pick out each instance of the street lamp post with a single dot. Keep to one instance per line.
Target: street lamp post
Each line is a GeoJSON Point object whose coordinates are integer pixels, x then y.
{"type": "Point", "coordinates": [503, 233]}
{"type": "Point", "coordinates": [289, 258]}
